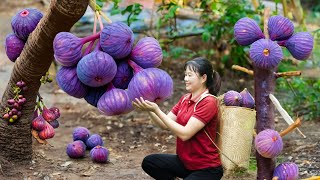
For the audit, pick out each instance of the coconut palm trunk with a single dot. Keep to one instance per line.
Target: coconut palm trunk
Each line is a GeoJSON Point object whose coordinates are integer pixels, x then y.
{"type": "Point", "coordinates": [34, 62]}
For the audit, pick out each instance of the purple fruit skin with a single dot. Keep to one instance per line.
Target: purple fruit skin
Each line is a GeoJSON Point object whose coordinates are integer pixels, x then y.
{"type": "Point", "coordinates": [25, 21]}
{"type": "Point", "coordinates": [93, 141]}
{"type": "Point", "coordinates": [268, 143]}
{"type": "Point", "coordinates": [123, 76]}
{"type": "Point", "coordinates": [115, 102]}
{"type": "Point", "coordinates": [117, 39]}
{"type": "Point", "coordinates": [99, 154]}
{"type": "Point", "coordinates": [38, 123]}
{"type": "Point", "coordinates": [68, 81]}
{"type": "Point", "coordinates": [55, 123]}
{"type": "Point", "coordinates": [280, 28]}
{"type": "Point", "coordinates": [67, 49]}
{"type": "Point", "coordinates": [152, 84]}
{"type": "Point", "coordinates": [147, 53]}
{"type": "Point", "coordinates": [80, 133]}
{"type": "Point", "coordinates": [247, 31]}
{"type": "Point", "coordinates": [94, 95]}
{"type": "Point", "coordinates": [96, 69]}
{"type": "Point", "coordinates": [76, 149]}
{"type": "Point", "coordinates": [261, 60]}
{"type": "Point", "coordinates": [232, 98]}
{"type": "Point", "coordinates": [300, 45]}
{"type": "Point", "coordinates": [13, 46]}
{"type": "Point", "coordinates": [247, 99]}
{"type": "Point", "coordinates": [286, 171]}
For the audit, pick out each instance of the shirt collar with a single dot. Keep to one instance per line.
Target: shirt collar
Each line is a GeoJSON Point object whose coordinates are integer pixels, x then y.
{"type": "Point", "coordinates": [196, 99]}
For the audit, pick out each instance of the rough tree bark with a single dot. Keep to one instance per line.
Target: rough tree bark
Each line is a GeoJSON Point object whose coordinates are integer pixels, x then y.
{"type": "Point", "coordinates": [34, 62]}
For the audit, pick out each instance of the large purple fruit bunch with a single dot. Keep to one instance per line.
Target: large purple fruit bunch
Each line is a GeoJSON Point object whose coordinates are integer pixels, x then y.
{"type": "Point", "coordinates": [114, 72]}
{"type": "Point", "coordinates": [23, 23]}
{"type": "Point", "coordinates": [267, 53]}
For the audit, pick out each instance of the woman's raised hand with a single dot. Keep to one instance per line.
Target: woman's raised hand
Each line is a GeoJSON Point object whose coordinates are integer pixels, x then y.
{"type": "Point", "coordinates": [144, 105]}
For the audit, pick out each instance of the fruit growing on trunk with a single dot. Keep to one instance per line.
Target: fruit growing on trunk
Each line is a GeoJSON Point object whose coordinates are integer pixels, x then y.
{"type": "Point", "coordinates": [13, 46]}
{"type": "Point", "coordinates": [268, 143]}
{"type": "Point", "coordinates": [265, 54]}
{"type": "Point", "coordinates": [280, 28]}
{"type": "Point", "coordinates": [25, 21]}
{"type": "Point", "coordinates": [300, 45]}
{"type": "Point", "coordinates": [286, 171]}
{"type": "Point", "coordinates": [247, 31]}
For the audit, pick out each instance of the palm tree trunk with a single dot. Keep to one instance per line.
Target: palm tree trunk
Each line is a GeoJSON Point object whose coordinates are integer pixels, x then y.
{"type": "Point", "coordinates": [34, 61]}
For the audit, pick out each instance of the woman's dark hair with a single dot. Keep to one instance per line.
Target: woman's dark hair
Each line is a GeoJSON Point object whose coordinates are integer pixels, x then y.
{"type": "Point", "coordinates": [202, 66]}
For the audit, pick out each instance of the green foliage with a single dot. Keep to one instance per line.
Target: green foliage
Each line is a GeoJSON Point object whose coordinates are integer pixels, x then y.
{"type": "Point", "coordinates": [132, 10]}
{"type": "Point", "coordinates": [300, 95]}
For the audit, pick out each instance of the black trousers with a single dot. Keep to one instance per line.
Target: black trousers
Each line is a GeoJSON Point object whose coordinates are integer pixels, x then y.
{"type": "Point", "coordinates": [169, 166]}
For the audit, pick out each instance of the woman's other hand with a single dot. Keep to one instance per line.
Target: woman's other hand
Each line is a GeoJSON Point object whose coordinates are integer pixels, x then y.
{"type": "Point", "coordinates": [144, 105]}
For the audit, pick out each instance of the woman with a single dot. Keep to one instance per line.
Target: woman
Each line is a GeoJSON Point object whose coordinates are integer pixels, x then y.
{"type": "Point", "coordinates": [197, 158]}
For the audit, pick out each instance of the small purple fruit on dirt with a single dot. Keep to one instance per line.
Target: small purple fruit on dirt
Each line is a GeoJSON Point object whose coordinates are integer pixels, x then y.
{"type": "Point", "coordinates": [99, 154]}
{"type": "Point", "coordinates": [81, 133]}
{"type": "Point", "coordinates": [94, 140]}
{"type": "Point", "coordinates": [76, 149]}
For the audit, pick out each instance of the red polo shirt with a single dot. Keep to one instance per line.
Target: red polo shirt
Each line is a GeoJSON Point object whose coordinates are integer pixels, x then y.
{"type": "Point", "coordinates": [198, 152]}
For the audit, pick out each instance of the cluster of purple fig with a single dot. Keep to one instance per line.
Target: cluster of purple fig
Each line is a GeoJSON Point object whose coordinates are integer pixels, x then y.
{"type": "Point", "coordinates": [114, 72]}
{"type": "Point", "coordinates": [45, 122]}
{"type": "Point", "coordinates": [23, 23]}
{"type": "Point", "coordinates": [242, 99]}
{"type": "Point", "coordinates": [15, 104]}
{"type": "Point", "coordinates": [82, 140]}
{"type": "Point", "coordinates": [267, 53]}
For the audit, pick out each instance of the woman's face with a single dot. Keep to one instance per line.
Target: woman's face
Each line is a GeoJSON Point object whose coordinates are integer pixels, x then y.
{"type": "Point", "coordinates": [193, 80]}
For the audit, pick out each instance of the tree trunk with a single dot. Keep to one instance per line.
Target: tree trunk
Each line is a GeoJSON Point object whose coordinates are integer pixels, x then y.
{"type": "Point", "coordinates": [264, 84]}
{"type": "Point", "coordinates": [34, 62]}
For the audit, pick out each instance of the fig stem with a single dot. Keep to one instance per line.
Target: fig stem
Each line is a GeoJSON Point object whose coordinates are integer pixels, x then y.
{"type": "Point", "coordinates": [100, 21]}
{"type": "Point", "coordinates": [105, 17]}
{"type": "Point", "coordinates": [90, 38]}
{"type": "Point", "coordinates": [136, 68]}
{"type": "Point", "coordinates": [88, 49]}
{"type": "Point", "coordinates": [243, 69]}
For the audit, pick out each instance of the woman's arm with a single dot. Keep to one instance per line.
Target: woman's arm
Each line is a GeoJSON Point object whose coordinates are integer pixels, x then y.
{"type": "Point", "coordinates": [158, 121]}
{"type": "Point", "coordinates": [183, 132]}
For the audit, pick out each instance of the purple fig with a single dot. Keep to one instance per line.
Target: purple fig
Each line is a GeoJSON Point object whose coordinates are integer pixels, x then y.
{"type": "Point", "coordinates": [76, 149]}
{"type": "Point", "coordinates": [25, 21]}
{"type": "Point", "coordinates": [13, 46]}
{"type": "Point", "coordinates": [81, 133]}
{"type": "Point", "coordinates": [99, 154]}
